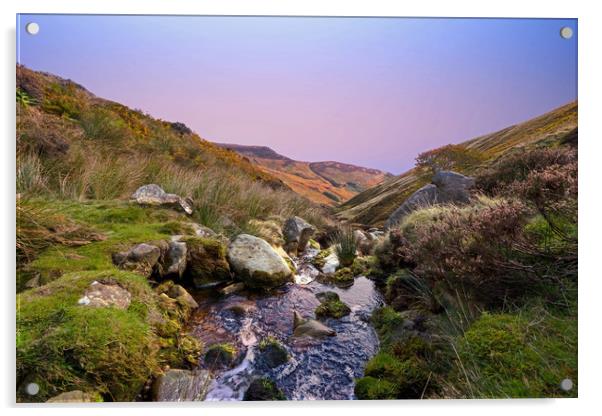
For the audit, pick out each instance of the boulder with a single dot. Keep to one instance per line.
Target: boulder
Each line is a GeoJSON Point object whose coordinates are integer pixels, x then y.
{"type": "Point", "coordinates": [102, 295]}
{"type": "Point", "coordinates": [141, 258]}
{"type": "Point", "coordinates": [181, 386]}
{"type": "Point", "coordinates": [296, 232]}
{"type": "Point", "coordinates": [331, 306]}
{"type": "Point", "coordinates": [180, 294]}
{"type": "Point", "coordinates": [446, 187]}
{"type": "Point", "coordinates": [256, 263]}
{"type": "Point", "coordinates": [206, 262]}
{"type": "Point", "coordinates": [273, 354]}
{"type": "Point", "coordinates": [154, 195]}
{"type": "Point", "coordinates": [175, 262]}
{"type": "Point", "coordinates": [310, 327]}
{"type": "Point", "coordinates": [220, 356]}
{"type": "Point", "coordinates": [75, 396]}
{"type": "Point", "coordinates": [263, 389]}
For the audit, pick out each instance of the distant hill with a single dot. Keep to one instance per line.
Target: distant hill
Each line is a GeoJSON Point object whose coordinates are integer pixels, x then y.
{"type": "Point", "coordinates": [373, 206]}
{"type": "Point", "coordinates": [329, 183]}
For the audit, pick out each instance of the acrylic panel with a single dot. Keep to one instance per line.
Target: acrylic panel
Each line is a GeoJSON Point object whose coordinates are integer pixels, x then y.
{"type": "Point", "coordinates": [215, 208]}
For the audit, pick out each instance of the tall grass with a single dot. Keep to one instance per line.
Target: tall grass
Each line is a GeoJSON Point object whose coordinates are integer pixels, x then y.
{"type": "Point", "coordinates": [345, 245]}
{"type": "Point", "coordinates": [222, 200]}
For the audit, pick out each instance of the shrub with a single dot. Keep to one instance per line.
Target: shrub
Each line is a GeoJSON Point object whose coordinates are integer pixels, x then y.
{"type": "Point", "coordinates": [450, 157]}
{"type": "Point", "coordinates": [100, 124]}
{"type": "Point", "coordinates": [371, 388]}
{"type": "Point", "coordinates": [345, 245]}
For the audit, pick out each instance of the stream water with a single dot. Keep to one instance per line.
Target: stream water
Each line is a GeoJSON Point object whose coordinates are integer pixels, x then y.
{"type": "Point", "coordinates": [318, 369]}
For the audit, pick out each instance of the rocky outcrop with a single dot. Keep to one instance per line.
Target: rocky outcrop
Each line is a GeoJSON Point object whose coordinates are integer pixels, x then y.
{"type": "Point", "coordinates": [446, 187]}
{"type": "Point", "coordinates": [102, 295]}
{"type": "Point", "coordinates": [206, 263]}
{"type": "Point", "coordinates": [154, 195]}
{"type": "Point", "coordinates": [141, 258]}
{"type": "Point", "coordinates": [310, 327]}
{"type": "Point", "coordinates": [296, 232]}
{"type": "Point", "coordinates": [256, 263]}
{"type": "Point", "coordinates": [181, 386]}
{"type": "Point", "coordinates": [175, 261]}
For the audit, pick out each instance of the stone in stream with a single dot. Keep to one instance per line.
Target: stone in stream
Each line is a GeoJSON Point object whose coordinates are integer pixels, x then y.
{"type": "Point", "coordinates": [154, 195]}
{"type": "Point", "coordinates": [180, 294]}
{"type": "Point", "coordinates": [263, 389]}
{"type": "Point", "coordinates": [256, 263]}
{"type": "Point", "coordinates": [310, 327]}
{"type": "Point", "coordinates": [181, 386]}
{"type": "Point", "coordinates": [296, 232]}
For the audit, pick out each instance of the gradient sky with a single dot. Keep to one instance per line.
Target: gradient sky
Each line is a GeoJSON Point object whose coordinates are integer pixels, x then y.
{"type": "Point", "coordinates": [369, 91]}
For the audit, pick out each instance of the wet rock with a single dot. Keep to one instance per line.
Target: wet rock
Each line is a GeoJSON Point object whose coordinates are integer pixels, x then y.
{"type": "Point", "coordinates": [181, 385]}
{"type": "Point", "coordinates": [233, 288]}
{"type": "Point", "coordinates": [256, 263]}
{"type": "Point", "coordinates": [75, 396]}
{"type": "Point", "coordinates": [331, 306]}
{"type": "Point", "coordinates": [206, 263]}
{"type": "Point", "coordinates": [273, 354]}
{"type": "Point", "coordinates": [446, 187]}
{"type": "Point", "coordinates": [141, 258]}
{"type": "Point", "coordinates": [263, 389]}
{"type": "Point", "coordinates": [220, 356]}
{"type": "Point", "coordinates": [102, 295]}
{"type": "Point", "coordinates": [296, 232]}
{"type": "Point", "coordinates": [310, 327]}
{"type": "Point", "coordinates": [180, 294]}
{"type": "Point", "coordinates": [154, 195]}
{"type": "Point", "coordinates": [176, 259]}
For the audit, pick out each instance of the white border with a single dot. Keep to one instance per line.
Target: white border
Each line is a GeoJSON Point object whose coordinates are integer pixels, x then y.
{"type": "Point", "coordinates": [590, 68]}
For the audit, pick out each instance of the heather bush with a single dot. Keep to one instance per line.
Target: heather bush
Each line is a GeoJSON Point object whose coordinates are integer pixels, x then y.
{"type": "Point", "coordinates": [454, 157]}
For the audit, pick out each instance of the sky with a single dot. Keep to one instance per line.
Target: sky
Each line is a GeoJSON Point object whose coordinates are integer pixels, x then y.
{"type": "Point", "coordinates": [369, 91]}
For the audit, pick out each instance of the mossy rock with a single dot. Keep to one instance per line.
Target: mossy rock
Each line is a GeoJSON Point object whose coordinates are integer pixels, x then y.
{"type": "Point", "coordinates": [273, 353]}
{"type": "Point", "coordinates": [206, 261]}
{"type": "Point", "coordinates": [314, 244]}
{"type": "Point", "coordinates": [220, 355]}
{"type": "Point", "coordinates": [263, 389]}
{"type": "Point", "coordinates": [371, 388]}
{"type": "Point", "coordinates": [320, 259]}
{"type": "Point", "coordinates": [331, 306]}
{"type": "Point", "coordinates": [343, 277]}
{"type": "Point", "coordinates": [63, 346]}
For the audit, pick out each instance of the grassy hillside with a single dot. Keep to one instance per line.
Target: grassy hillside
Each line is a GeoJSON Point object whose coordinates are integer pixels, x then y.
{"type": "Point", "coordinates": [74, 145]}
{"type": "Point", "coordinates": [328, 183]}
{"type": "Point", "coordinates": [374, 205]}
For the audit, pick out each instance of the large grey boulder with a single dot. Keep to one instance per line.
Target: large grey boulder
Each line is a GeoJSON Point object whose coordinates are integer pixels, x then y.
{"type": "Point", "coordinates": [296, 232]}
{"type": "Point", "coordinates": [181, 386]}
{"type": "Point", "coordinates": [103, 295]}
{"type": "Point", "coordinates": [310, 327]}
{"type": "Point", "coordinates": [75, 396]}
{"type": "Point", "coordinates": [446, 187]}
{"type": "Point", "coordinates": [256, 263]}
{"type": "Point", "coordinates": [154, 195]}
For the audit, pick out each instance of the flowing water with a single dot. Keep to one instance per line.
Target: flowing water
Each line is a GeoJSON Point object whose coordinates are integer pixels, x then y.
{"type": "Point", "coordinates": [318, 369]}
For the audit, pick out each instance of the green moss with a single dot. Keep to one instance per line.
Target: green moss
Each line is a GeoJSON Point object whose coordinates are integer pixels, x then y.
{"type": "Point", "coordinates": [371, 388]}
{"type": "Point", "coordinates": [362, 266]}
{"type": "Point", "coordinates": [343, 277]}
{"type": "Point", "coordinates": [273, 353]}
{"type": "Point", "coordinates": [263, 389]}
{"type": "Point", "coordinates": [65, 346]}
{"type": "Point", "coordinates": [176, 228]}
{"type": "Point", "coordinates": [314, 244]}
{"type": "Point", "coordinates": [320, 260]}
{"type": "Point", "coordinates": [388, 324]}
{"type": "Point", "coordinates": [206, 261]}
{"type": "Point", "coordinates": [220, 355]}
{"type": "Point", "coordinates": [331, 306]}
{"type": "Point", "coordinates": [523, 355]}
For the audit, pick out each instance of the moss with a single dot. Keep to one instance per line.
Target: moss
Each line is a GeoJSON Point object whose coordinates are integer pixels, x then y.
{"type": "Point", "coordinates": [331, 306]}
{"type": "Point", "coordinates": [176, 228]}
{"type": "Point", "coordinates": [524, 355]}
{"type": "Point", "coordinates": [263, 389]}
{"type": "Point", "coordinates": [272, 352]}
{"type": "Point", "coordinates": [314, 244]}
{"type": "Point", "coordinates": [343, 277]}
{"type": "Point", "coordinates": [362, 266]}
{"type": "Point", "coordinates": [371, 388]}
{"type": "Point", "coordinates": [220, 355]}
{"type": "Point", "coordinates": [388, 324]}
{"type": "Point", "coordinates": [64, 346]}
{"type": "Point", "coordinates": [206, 261]}
{"type": "Point", "coordinates": [320, 260]}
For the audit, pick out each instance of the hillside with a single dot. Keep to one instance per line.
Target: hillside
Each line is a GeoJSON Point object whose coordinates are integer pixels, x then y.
{"type": "Point", "coordinates": [328, 183]}
{"type": "Point", "coordinates": [373, 206]}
